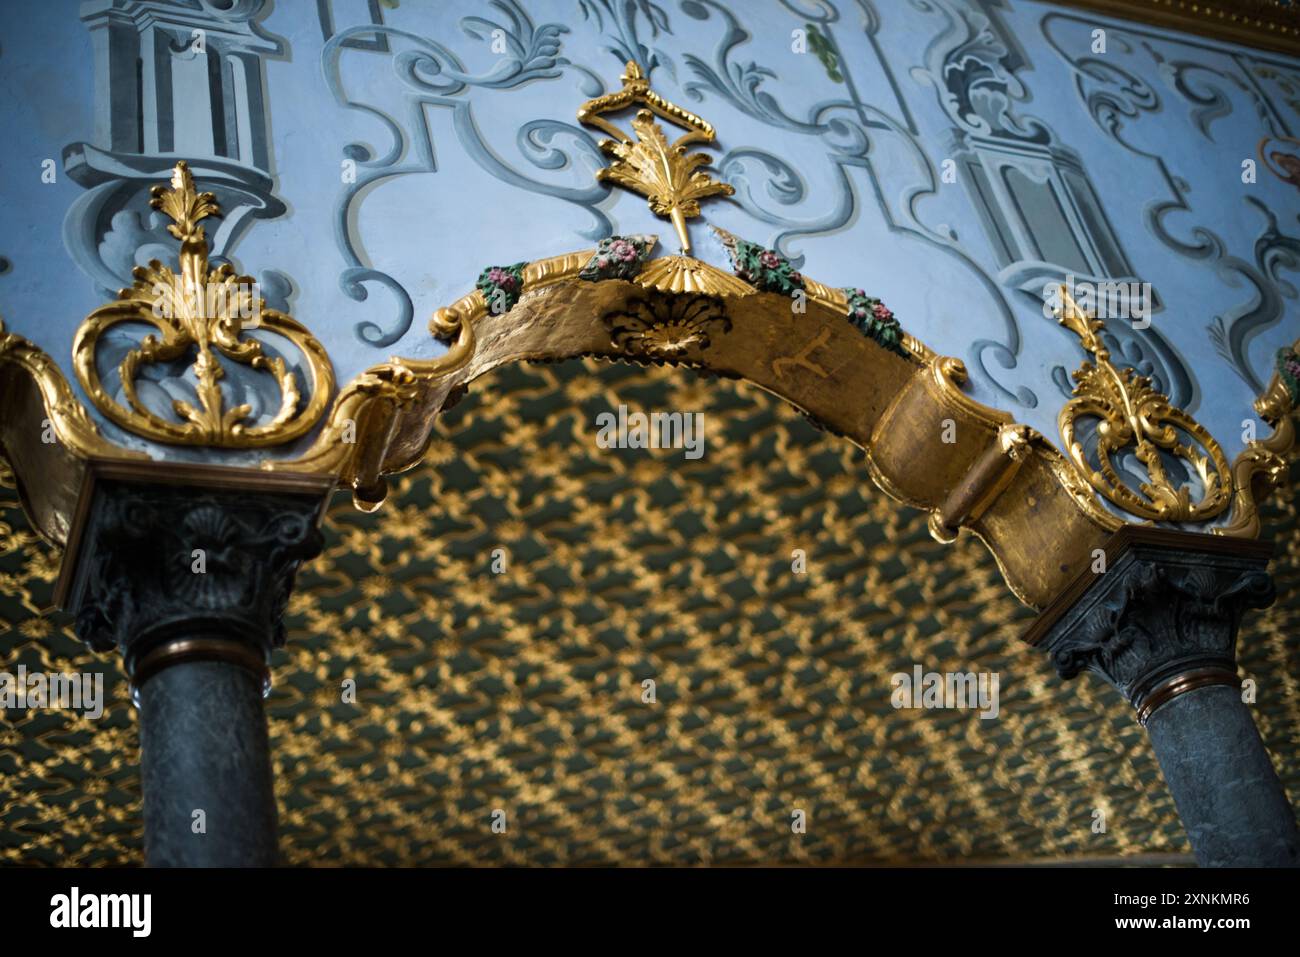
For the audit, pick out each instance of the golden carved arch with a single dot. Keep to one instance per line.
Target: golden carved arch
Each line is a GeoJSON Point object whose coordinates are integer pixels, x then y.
{"type": "Point", "coordinates": [838, 355]}
{"type": "Point", "coordinates": [1001, 480]}
{"type": "Point", "coordinates": [928, 444]}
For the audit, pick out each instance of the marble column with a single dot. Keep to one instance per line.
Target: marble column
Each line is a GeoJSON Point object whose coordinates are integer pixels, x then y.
{"type": "Point", "coordinates": [188, 579]}
{"type": "Point", "coordinates": [1160, 625]}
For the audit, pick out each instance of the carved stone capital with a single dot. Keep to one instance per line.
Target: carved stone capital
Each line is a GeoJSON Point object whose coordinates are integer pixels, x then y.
{"type": "Point", "coordinates": [189, 570]}
{"type": "Point", "coordinates": [1162, 618]}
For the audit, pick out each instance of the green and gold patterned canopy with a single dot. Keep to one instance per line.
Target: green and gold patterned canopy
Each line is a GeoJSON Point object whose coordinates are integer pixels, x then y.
{"type": "Point", "coordinates": [523, 690]}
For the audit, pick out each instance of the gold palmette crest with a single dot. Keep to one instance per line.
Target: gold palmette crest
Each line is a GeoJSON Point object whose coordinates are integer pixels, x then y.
{"type": "Point", "coordinates": [666, 174]}
{"type": "Point", "coordinates": [205, 309]}
{"type": "Point", "coordinates": [1132, 414]}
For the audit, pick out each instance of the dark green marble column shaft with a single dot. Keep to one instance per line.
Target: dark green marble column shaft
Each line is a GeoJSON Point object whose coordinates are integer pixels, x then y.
{"type": "Point", "coordinates": [206, 768]}
{"type": "Point", "coordinates": [1229, 797]}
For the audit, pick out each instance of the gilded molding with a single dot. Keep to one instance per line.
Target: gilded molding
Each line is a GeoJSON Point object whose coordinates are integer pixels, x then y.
{"type": "Point", "coordinates": [1132, 416]}
{"type": "Point", "coordinates": [893, 405]}
{"type": "Point", "coordinates": [1032, 507]}
{"type": "Point", "coordinates": [1265, 24]}
{"type": "Point", "coordinates": [354, 445]}
{"type": "Point", "coordinates": [68, 418]}
{"type": "Point", "coordinates": [205, 309]}
{"type": "Point", "coordinates": [370, 411]}
{"type": "Point", "coordinates": [988, 478]}
{"type": "Point", "coordinates": [664, 274]}
{"type": "Point", "coordinates": [970, 466]}
{"type": "Point", "coordinates": [46, 435]}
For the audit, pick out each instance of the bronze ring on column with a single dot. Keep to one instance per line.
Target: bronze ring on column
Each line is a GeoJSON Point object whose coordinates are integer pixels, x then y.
{"type": "Point", "coordinates": [1171, 688]}
{"type": "Point", "coordinates": [199, 649]}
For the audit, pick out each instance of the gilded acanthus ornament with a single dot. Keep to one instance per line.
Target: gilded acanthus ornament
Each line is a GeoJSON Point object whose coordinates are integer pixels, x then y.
{"type": "Point", "coordinates": [1262, 467]}
{"type": "Point", "coordinates": [1132, 416]}
{"type": "Point", "coordinates": [203, 309]}
{"type": "Point", "coordinates": [666, 174]}
{"type": "Point", "coordinates": [71, 423]}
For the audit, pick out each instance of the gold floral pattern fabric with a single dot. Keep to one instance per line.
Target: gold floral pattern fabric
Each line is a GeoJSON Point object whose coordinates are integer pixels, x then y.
{"type": "Point", "coordinates": [520, 689]}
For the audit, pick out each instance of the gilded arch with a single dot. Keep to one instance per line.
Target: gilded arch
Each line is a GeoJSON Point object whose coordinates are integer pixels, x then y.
{"type": "Point", "coordinates": [928, 444]}
{"type": "Point", "coordinates": [983, 472]}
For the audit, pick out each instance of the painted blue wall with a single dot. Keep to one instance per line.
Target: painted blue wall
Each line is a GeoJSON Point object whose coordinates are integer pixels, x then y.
{"type": "Point", "coordinates": [1125, 164]}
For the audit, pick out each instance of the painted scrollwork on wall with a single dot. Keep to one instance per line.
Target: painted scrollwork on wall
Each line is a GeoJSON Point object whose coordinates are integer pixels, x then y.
{"type": "Point", "coordinates": [1204, 88]}
{"type": "Point", "coordinates": [845, 130]}
{"type": "Point", "coordinates": [1113, 95]}
{"type": "Point", "coordinates": [195, 74]}
{"type": "Point", "coordinates": [972, 64]}
{"type": "Point", "coordinates": [1275, 253]}
{"type": "Point", "coordinates": [621, 23]}
{"type": "Point", "coordinates": [1034, 196]}
{"type": "Point", "coordinates": [1286, 83]}
{"type": "Point", "coordinates": [1116, 97]}
{"type": "Point", "coordinates": [435, 75]}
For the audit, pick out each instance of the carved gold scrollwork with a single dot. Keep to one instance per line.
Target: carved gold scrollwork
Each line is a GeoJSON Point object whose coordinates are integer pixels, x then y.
{"type": "Point", "coordinates": [71, 423]}
{"type": "Point", "coordinates": [1261, 468]}
{"type": "Point", "coordinates": [1131, 414]}
{"type": "Point", "coordinates": [666, 174]}
{"type": "Point", "coordinates": [207, 310]}
{"type": "Point", "coordinates": [356, 439]}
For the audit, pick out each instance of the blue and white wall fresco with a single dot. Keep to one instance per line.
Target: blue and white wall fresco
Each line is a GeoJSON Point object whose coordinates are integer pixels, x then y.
{"type": "Point", "coordinates": [949, 156]}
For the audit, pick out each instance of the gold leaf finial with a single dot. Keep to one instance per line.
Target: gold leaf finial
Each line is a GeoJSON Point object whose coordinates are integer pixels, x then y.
{"type": "Point", "coordinates": [1132, 416]}
{"type": "Point", "coordinates": [205, 310]}
{"type": "Point", "coordinates": [666, 174]}
{"type": "Point", "coordinates": [184, 205]}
